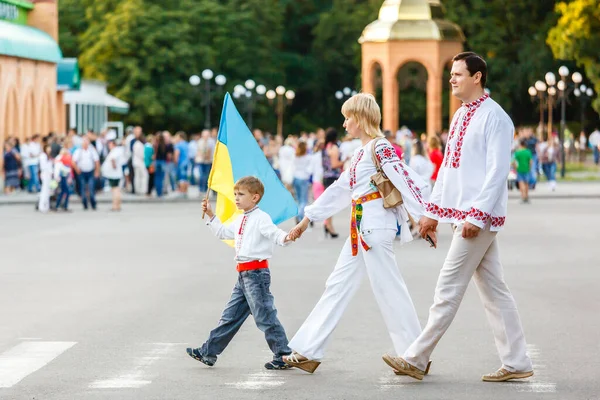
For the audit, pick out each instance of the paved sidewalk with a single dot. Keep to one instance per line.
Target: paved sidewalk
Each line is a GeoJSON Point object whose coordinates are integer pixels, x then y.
{"type": "Point", "coordinates": [564, 190]}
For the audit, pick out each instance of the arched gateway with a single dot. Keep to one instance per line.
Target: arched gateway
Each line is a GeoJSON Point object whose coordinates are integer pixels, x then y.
{"type": "Point", "coordinates": [410, 31]}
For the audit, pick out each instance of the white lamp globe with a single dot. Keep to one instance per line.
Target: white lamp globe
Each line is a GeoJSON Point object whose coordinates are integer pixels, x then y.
{"type": "Point", "coordinates": [552, 91]}
{"type": "Point", "coordinates": [532, 91]}
{"type": "Point", "coordinates": [280, 90]}
{"type": "Point", "coordinates": [550, 79]}
{"type": "Point", "coordinates": [577, 77]}
{"type": "Point", "coordinates": [290, 95]}
{"type": "Point", "coordinates": [221, 80]}
{"type": "Point", "coordinates": [271, 94]}
{"type": "Point", "coordinates": [339, 95]}
{"type": "Point", "coordinates": [261, 89]}
{"type": "Point", "coordinates": [561, 85]}
{"type": "Point", "coordinates": [589, 92]}
{"type": "Point", "coordinates": [194, 80]}
{"type": "Point", "coordinates": [563, 71]}
{"type": "Point", "coordinates": [250, 84]}
{"type": "Point", "coordinates": [540, 86]}
{"type": "Point", "coordinates": [207, 74]}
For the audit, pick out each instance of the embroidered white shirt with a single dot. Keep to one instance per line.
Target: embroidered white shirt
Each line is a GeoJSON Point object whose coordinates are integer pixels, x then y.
{"type": "Point", "coordinates": [356, 182]}
{"type": "Point", "coordinates": [471, 184]}
{"type": "Point", "coordinates": [254, 233]}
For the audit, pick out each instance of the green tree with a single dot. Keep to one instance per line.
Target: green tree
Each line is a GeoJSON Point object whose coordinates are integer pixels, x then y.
{"type": "Point", "coordinates": [576, 36]}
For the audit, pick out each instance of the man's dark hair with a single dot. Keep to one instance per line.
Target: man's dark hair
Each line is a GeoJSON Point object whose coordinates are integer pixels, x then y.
{"type": "Point", "coordinates": [474, 64]}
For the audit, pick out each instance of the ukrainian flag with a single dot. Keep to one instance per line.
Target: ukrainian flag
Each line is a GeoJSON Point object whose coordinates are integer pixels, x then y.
{"type": "Point", "coordinates": [237, 155]}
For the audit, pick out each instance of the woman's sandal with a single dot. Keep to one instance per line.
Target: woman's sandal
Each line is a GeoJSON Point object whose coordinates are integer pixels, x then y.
{"type": "Point", "coordinates": [297, 360]}
{"type": "Point", "coordinates": [426, 370]}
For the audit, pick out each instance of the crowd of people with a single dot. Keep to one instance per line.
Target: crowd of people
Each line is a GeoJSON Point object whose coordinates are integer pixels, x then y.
{"type": "Point", "coordinates": [307, 163]}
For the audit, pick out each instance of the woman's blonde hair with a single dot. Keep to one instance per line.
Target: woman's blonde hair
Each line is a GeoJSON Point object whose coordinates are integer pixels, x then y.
{"type": "Point", "coordinates": [434, 143]}
{"type": "Point", "coordinates": [366, 112]}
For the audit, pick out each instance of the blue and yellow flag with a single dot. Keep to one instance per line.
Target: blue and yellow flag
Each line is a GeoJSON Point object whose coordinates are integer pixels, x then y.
{"type": "Point", "coordinates": [237, 155]}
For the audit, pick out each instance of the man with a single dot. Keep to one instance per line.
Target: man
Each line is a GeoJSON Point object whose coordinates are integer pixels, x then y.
{"type": "Point", "coordinates": [531, 142]}
{"type": "Point", "coordinates": [129, 142]}
{"type": "Point", "coordinates": [523, 163]}
{"type": "Point", "coordinates": [595, 144]}
{"type": "Point", "coordinates": [471, 193]}
{"type": "Point", "coordinates": [182, 161]}
{"type": "Point", "coordinates": [31, 151]}
{"type": "Point", "coordinates": [87, 165]}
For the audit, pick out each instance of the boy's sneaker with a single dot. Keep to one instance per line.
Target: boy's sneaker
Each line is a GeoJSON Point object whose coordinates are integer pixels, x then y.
{"type": "Point", "coordinates": [195, 354]}
{"type": "Point", "coordinates": [276, 365]}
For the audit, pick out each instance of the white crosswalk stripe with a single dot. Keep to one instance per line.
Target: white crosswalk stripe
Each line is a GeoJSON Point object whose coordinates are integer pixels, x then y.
{"type": "Point", "coordinates": [26, 358]}
{"type": "Point", "coordinates": [137, 375]}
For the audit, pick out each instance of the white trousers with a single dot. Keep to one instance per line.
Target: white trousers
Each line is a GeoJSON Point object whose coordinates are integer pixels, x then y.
{"type": "Point", "coordinates": [44, 202]}
{"type": "Point", "coordinates": [478, 258]}
{"type": "Point", "coordinates": [388, 286]}
{"type": "Point", "coordinates": [141, 179]}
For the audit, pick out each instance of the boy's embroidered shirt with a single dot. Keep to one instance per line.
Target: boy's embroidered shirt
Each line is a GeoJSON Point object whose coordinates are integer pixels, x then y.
{"type": "Point", "coordinates": [471, 184]}
{"type": "Point", "coordinates": [355, 182]}
{"type": "Point", "coordinates": [254, 234]}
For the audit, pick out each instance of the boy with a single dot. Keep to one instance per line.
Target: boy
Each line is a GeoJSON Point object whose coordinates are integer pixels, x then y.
{"type": "Point", "coordinates": [523, 162]}
{"type": "Point", "coordinates": [254, 233]}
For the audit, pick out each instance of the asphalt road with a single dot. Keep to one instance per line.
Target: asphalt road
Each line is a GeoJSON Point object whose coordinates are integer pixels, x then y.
{"type": "Point", "coordinates": [98, 305]}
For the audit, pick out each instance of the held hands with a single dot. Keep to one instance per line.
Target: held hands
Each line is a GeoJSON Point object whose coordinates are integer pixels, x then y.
{"type": "Point", "coordinates": [299, 229]}
{"type": "Point", "coordinates": [207, 209]}
{"type": "Point", "coordinates": [428, 228]}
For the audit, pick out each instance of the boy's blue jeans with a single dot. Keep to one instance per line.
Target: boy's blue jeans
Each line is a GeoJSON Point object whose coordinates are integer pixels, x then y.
{"type": "Point", "coordinates": [251, 295]}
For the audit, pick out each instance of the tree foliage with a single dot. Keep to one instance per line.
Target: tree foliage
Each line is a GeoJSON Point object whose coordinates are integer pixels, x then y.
{"type": "Point", "coordinates": [147, 49]}
{"type": "Point", "coordinates": [576, 36]}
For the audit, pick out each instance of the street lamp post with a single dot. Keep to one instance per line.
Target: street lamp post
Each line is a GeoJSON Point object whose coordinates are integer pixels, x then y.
{"type": "Point", "coordinates": [584, 94]}
{"type": "Point", "coordinates": [345, 94]}
{"type": "Point", "coordinates": [282, 98]}
{"type": "Point", "coordinates": [207, 75]}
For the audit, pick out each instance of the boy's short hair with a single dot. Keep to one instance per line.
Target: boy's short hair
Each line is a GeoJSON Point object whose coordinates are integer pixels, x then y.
{"type": "Point", "coordinates": [253, 184]}
{"type": "Point", "coordinates": [523, 142]}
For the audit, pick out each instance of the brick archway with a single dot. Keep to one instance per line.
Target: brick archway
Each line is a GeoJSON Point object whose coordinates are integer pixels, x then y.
{"type": "Point", "coordinates": [410, 31]}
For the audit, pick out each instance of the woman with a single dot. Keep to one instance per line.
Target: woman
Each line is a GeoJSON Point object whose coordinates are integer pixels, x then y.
{"type": "Point", "coordinates": [549, 159]}
{"type": "Point", "coordinates": [63, 175]}
{"type": "Point", "coordinates": [301, 176]}
{"type": "Point", "coordinates": [419, 161]}
{"type": "Point", "coordinates": [317, 169]}
{"type": "Point", "coordinates": [46, 172]}
{"type": "Point", "coordinates": [370, 247]}
{"type": "Point", "coordinates": [160, 163]}
{"type": "Point", "coordinates": [332, 164]}
{"type": "Point", "coordinates": [435, 156]}
{"type": "Point", "coordinates": [139, 166]}
{"type": "Point", "coordinates": [112, 169]}
{"type": "Point", "coordinates": [11, 168]}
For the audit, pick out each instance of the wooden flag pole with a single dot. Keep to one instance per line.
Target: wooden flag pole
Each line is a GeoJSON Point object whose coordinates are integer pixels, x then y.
{"type": "Point", "coordinates": [210, 175]}
{"type": "Point", "coordinates": [206, 198]}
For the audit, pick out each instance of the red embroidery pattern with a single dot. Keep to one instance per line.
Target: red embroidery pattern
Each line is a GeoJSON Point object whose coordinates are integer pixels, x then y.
{"type": "Point", "coordinates": [385, 153]}
{"type": "Point", "coordinates": [452, 157]}
{"type": "Point", "coordinates": [459, 215]}
{"type": "Point", "coordinates": [414, 189]}
{"type": "Point", "coordinates": [355, 162]}
{"type": "Point", "coordinates": [238, 243]}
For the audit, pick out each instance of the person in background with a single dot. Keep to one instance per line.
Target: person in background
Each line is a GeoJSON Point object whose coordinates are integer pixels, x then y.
{"type": "Point", "coordinates": [31, 161]}
{"type": "Point", "coordinates": [112, 169]}
{"type": "Point", "coordinates": [549, 157]}
{"type": "Point", "coordinates": [397, 148]}
{"type": "Point", "coordinates": [171, 170]}
{"type": "Point", "coordinates": [192, 151]}
{"type": "Point", "coordinates": [46, 170]}
{"type": "Point", "coordinates": [435, 156]}
{"type": "Point", "coordinates": [302, 170]}
{"type": "Point", "coordinates": [149, 162]}
{"type": "Point", "coordinates": [286, 161]}
{"type": "Point", "coordinates": [139, 165]}
{"type": "Point", "coordinates": [62, 174]}
{"type": "Point", "coordinates": [129, 142]}
{"type": "Point", "coordinates": [419, 161]}
{"type": "Point", "coordinates": [160, 163]}
{"type": "Point", "coordinates": [87, 164]}
{"type": "Point", "coordinates": [11, 167]}
{"type": "Point", "coordinates": [317, 169]}
{"type": "Point", "coordinates": [332, 169]}
{"type": "Point", "coordinates": [182, 161]}
{"type": "Point", "coordinates": [523, 160]}
{"type": "Point", "coordinates": [204, 158]}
